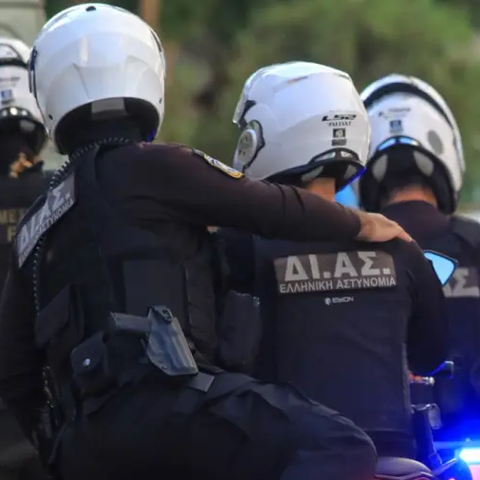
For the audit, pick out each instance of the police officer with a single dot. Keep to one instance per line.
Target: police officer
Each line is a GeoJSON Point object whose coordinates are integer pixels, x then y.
{"type": "Point", "coordinates": [108, 310]}
{"type": "Point", "coordinates": [339, 318]}
{"type": "Point", "coordinates": [414, 177]}
{"type": "Point", "coordinates": [22, 137]}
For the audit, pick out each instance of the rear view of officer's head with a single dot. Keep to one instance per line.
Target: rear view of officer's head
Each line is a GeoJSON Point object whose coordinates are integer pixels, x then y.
{"type": "Point", "coordinates": [416, 143]}
{"type": "Point", "coordinates": [95, 63]}
{"type": "Point", "coordinates": [22, 134]}
{"type": "Point", "coordinates": [300, 121]}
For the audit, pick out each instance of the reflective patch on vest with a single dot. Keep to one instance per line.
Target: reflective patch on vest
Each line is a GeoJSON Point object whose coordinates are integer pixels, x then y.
{"type": "Point", "coordinates": [231, 172]}
{"type": "Point", "coordinates": [335, 271]}
{"type": "Point", "coordinates": [57, 203]}
{"type": "Point", "coordinates": [464, 283]}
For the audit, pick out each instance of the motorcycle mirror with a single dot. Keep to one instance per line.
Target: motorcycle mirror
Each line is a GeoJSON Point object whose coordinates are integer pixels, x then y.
{"type": "Point", "coordinates": [444, 266]}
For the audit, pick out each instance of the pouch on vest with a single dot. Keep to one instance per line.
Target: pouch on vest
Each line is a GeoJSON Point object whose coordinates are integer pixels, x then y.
{"type": "Point", "coordinates": [60, 326]}
{"type": "Point", "coordinates": [93, 372]}
{"type": "Point", "coordinates": [239, 332]}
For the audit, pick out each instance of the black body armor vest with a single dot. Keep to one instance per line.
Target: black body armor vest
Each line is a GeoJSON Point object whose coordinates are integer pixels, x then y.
{"type": "Point", "coordinates": [325, 329]}
{"type": "Point", "coordinates": [87, 261]}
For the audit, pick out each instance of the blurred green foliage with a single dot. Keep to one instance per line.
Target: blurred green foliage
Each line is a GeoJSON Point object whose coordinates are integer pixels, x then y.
{"type": "Point", "coordinates": [215, 44]}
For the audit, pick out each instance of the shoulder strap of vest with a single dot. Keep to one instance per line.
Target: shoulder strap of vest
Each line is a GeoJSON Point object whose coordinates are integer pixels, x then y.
{"type": "Point", "coordinates": [46, 211]}
{"type": "Point", "coordinates": [467, 229]}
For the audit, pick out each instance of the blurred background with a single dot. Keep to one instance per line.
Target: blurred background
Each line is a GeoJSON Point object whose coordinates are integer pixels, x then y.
{"type": "Point", "coordinates": [213, 45]}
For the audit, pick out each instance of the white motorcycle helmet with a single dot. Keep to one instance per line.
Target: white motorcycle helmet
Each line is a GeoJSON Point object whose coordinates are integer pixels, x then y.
{"type": "Point", "coordinates": [301, 120]}
{"type": "Point", "coordinates": [96, 61]}
{"type": "Point", "coordinates": [406, 111]}
{"type": "Point", "coordinates": [18, 108]}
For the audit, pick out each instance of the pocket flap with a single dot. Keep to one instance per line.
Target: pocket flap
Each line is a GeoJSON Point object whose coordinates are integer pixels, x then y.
{"type": "Point", "coordinates": [88, 355]}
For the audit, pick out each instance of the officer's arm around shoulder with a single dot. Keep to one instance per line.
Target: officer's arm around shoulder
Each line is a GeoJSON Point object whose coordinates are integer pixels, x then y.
{"type": "Point", "coordinates": [428, 328]}
{"type": "Point", "coordinates": [202, 190]}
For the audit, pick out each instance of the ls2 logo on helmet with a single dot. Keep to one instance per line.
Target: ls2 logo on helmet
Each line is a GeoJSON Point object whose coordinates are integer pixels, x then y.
{"type": "Point", "coordinates": [339, 120]}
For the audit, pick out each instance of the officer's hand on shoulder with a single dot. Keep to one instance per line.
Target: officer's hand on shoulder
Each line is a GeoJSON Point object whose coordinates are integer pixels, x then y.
{"type": "Point", "coordinates": [377, 228]}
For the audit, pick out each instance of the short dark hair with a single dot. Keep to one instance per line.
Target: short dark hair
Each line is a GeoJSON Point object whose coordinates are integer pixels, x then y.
{"type": "Point", "coordinates": [394, 183]}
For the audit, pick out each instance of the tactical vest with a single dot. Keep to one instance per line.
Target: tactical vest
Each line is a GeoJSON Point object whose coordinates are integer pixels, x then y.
{"type": "Point", "coordinates": [16, 196]}
{"type": "Point", "coordinates": [90, 261]}
{"type": "Point", "coordinates": [328, 335]}
{"type": "Point", "coordinates": [459, 394]}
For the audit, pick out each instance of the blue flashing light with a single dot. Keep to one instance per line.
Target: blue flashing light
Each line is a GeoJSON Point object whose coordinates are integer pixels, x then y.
{"type": "Point", "coordinates": [471, 455]}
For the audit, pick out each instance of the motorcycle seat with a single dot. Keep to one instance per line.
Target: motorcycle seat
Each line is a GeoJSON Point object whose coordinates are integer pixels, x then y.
{"type": "Point", "coordinates": [401, 468]}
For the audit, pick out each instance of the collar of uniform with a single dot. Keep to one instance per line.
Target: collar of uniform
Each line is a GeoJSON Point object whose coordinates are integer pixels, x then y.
{"type": "Point", "coordinates": [98, 131]}
{"type": "Point", "coordinates": [420, 219]}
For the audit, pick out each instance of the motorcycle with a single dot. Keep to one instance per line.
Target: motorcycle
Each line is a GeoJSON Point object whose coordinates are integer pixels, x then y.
{"type": "Point", "coordinates": [429, 464]}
